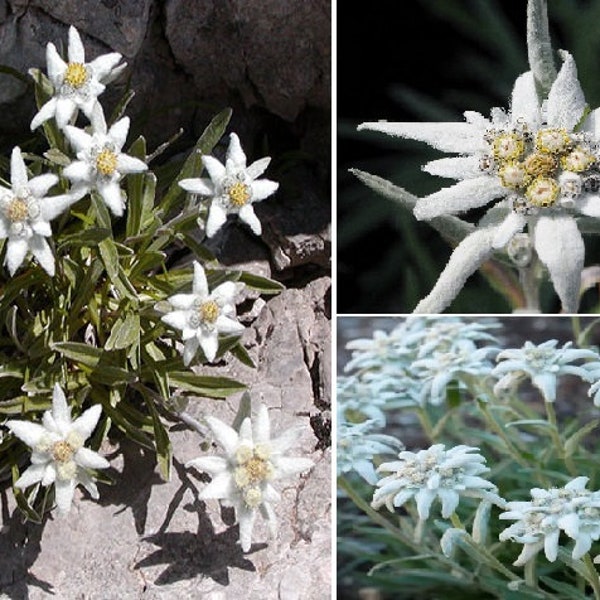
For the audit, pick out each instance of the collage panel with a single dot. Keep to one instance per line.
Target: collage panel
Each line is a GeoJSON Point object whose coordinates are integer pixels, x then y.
{"type": "Point", "coordinates": [467, 457]}
{"type": "Point", "coordinates": [468, 169]}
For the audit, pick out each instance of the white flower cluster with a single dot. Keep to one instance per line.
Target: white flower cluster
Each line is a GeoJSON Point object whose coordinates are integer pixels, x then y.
{"type": "Point", "coordinates": [544, 364]}
{"type": "Point", "coordinates": [538, 523]}
{"type": "Point", "coordinates": [434, 473]}
{"type": "Point", "coordinates": [539, 159]}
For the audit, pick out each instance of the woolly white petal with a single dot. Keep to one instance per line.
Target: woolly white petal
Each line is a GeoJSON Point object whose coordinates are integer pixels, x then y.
{"type": "Point", "coordinates": [16, 250]}
{"type": "Point", "coordinates": [460, 197]}
{"type": "Point", "coordinates": [235, 154]}
{"type": "Point", "coordinates": [47, 111]}
{"type": "Point", "coordinates": [566, 101]}
{"type": "Point", "coordinates": [61, 412]}
{"type": "Point", "coordinates": [263, 188]}
{"type": "Point", "coordinates": [111, 194]}
{"type": "Point", "coordinates": [118, 132]}
{"type": "Point", "coordinates": [249, 217]}
{"type": "Point", "coordinates": [104, 65]}
{"type": "Point", "coordinates": [182, 301]}
{"type": "Point", "coordinates": [200, 283]}
{"type": "Point", "coordinates": [513, 223]}
{"type": "Point", "coordinates": [464, 261]}
{"type": "Point", "coordinates": [461, 138]}
{"type": "Point", "coordinates": [589, 205]}
{"type": "Point", "coordinates": [40, 185]}
{"type": "Point", "coordinates": [213, 465]}
{"type": "Point", "coordinates": [43, 254]}
{"type": "Point", "coordinates": [455, 167]}
{"type": "Point", "coordinates": [18, 171]}
{"type": "Point", "coordinates": [178, 319]}
{"type": "Point", "coordinates": [189, 350]}
{"type": "Point", "coordinates": [226, 325]}
{"type": "Point", "coordinates": [41, 228]}
{"type": "Point", "coordinates": [560, 247]}
{"type": "Point", "coordinates": [87, 421]}
{"type": "Point", "coordinates": [33, 474]}
{"type": "Point", "coordinates": [258, 167]}
{"type": "Point", "coordinates": [261, 425]}
{"type": "Point", "coordinates": [216, 218]}
{"type": "Point", "coordinates": [78, 171]}
{"type": "Point", "coordinates": [76, 51]}
{"type": "Point", "coordinates": [30, 433]}
{"type": "Point", "coordinates": [224, 293]}
{"type": "Point", "coordinates": [225, 435]}
{"type": "Point", "coordinates": [55, 65]}
{"type": "Point", "coordinates": [78, 138]}
{"type": "Point", "coordinates": [63, 492]}
{"type": "Point", "coordinates": [286, 467]}
{"type": "Point", "coordinates": [525, 104]}
{"type": "Point", "coordinates": [246, 520]}
{"type": "Point", "coordinates": [203, 187]}
{"type": "Point", "coordinates": [219, 487]}
{"type": "Point", "coordinates": [129, 164]}
{"type": "Point", "coordinates": [90, 460]}
{"type": "Point", "coordinates": [214, 167]}
{"type": "Point", "coordinates": [424, 499]}
{"type": "Point", "coordinates": [65, 109]}
{"type": "Point", "coordinates": [53, 206]}
{"type": "Point", "coordinates": [529, 551]}
{"type": "Point", "coordinates": [209, 344]}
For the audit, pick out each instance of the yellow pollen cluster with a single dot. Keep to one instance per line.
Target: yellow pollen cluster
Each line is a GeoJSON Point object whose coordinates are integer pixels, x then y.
{"type": "Point", "coordinates": [106, 162]}
{"type": "Point", "coordinates": [512, 175]}
{"type": "Point", "coordinates": [552, 141]}
{"type": "Point", "coordinates": [540, 164]}
{"type": "Point", "coordinates": [578, 160]}
{"type": "Point", "coordinates": [62, 451]}
{"type": "Point", "coordinates": [239, 194]}
{"type": "Point", "coordinates": [209, 311]}
{"type": "Point", "coordinates": [76, 75]}
{"type": "Point", "coordinates": [508, 146]}
{"type": "Point", "coordinates": [17, 210]}
{"type": "Point", "coordinates": [257, 469]}
{"type": "Point", "coordinates": [543, 192]}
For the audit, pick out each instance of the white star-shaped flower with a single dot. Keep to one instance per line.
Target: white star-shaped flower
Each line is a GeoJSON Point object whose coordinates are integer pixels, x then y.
{"type": "Point", "coordinates": [58, 455]}
{"type": "Point", "coordinates": [202, 315]}
{"type": "Point", "coordinates": [243, 476]}
{"type": "Point", "coordinates": [233, 187]}
{"type": "Point", "coordinates": [25, 215]}
{"type": "Point", "coordinates": [100, 164]}
{"type": "Point", "coordinates": [434, 473]}
{"type": "Point", "coordinates": [538, 159]}
{"type": "Point", "coordinates": [77, 84]}
{"type": "Point", "coordinates": [538, 522]}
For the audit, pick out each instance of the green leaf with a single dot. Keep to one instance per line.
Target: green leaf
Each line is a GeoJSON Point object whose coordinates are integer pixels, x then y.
{"type": "Point", "coordinates": [81, 353]}
{"type": "Point", "coordinates": [203, 385]}
{"type": "Point", "coordinates": [88, 237]}
{"type": "Point", "coordinates": [531, 423]}
{"type": "Point", "coordinates": [125, 332]}
{"type": "Point", "coordinates": [242, 355]}
{"type": "Point", "coordinates": [164, 449]}
{"type": "Point", "coordinates": [261, 284]}
{"type": "Point", "coordinates": [539, 46]}
{"type": "Point", "coordinates": [192, 167]}
{"type": "Point", "coordinates": [574, 441]}
{"type": "Point", "coordinates": [244, 411]}
{"type": "Point", "coordinates": [110, 258]}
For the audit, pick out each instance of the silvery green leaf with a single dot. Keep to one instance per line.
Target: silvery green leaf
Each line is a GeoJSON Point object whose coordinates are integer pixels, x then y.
{"type": "Point", "coordinates": [539, 46]}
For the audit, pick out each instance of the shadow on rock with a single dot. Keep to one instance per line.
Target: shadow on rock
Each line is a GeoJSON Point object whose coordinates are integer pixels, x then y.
{"type": "Point", "coordinates": [205, 553]}
{"type": "Point", "coordinates": [20, 545]}
{"type": "Point", "coordinates": [138, 467]}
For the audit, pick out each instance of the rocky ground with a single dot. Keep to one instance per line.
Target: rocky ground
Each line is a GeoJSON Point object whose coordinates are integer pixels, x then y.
{"type": "Point", "coordinates": [270, 62]}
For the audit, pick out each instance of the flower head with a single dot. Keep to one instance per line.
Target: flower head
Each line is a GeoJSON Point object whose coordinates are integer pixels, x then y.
{"type": "Point", "coordinates": [100, 164]}
{"type": "Point", "coordinates": [538, 523]}
{"type": "Point", "coordinates": [243, 475]}
{"type": "Point", "coordinates": [25, 215]}
{"type": "Point", "coordinates": [58, 455]}
{"type": "Point", "coordinates": [543, 364]}
{"type": "Point", "coordinates": [77, 84]}
{"type": "Point", "coordinates": [233, 187]}
{"type": "Point", "coordinates": [202, 315]}
{"type": "Point", "coordinates": [537, 159]}
{"type": "Point", "coordinates": [434, 473]}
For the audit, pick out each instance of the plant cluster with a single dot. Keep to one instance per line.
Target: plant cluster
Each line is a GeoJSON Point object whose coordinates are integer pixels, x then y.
{"type": "Point", "coordinates": [100, 323]}
{"type": "Point", "coordinates": [497, 492]}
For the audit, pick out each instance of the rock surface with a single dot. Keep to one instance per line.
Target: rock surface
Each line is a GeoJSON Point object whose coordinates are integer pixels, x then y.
{"type": "Point", "coordinates": [149, 539]}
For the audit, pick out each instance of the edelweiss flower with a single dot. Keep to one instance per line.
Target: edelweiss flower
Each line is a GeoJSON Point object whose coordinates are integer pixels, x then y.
{"type": "Point", "coordinates": [101, 164]}
{"type": "Point", "coordinates": [25, 215]}
{"type": "Point", "coordinates": [571, 509]}
{"type": "Point", "coordinates": [543, 364]}
{"type": "Point", "coordinates": [252, 460]}
{"type": "Point", "coordinates": [357, 445]}
{"type": "Point", "coordinates": [538, 159]}
{"type": "Point", "coordinates": [434, 473]}
{"type": "Point", "coordinates": [202, 315]}
{"type": "Point", "coordinates": [58, 455]}
{"type": "Point", "coordinates": [233, 187]}
{"type": "Point", "coordinates": [77, 84]}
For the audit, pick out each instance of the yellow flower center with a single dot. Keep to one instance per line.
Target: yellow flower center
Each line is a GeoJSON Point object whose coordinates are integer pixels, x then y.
{"type": "Point", "coordinates": [209, 311]}
{"type": "Point", "coordinates": [543, 192]}
{"type": "Point", "coordinates": [512, 175]}
{"type": "Point", "coordinates": [62, 451]}
{"type": "Point", "coordinates": [17, 210]}
{"type": "Point", "coordinates": [577, 160]}
{"type": "Point", "coordinates": [508, 146]}
{"type": "Point", "coordinates": [552, 141]}
{"type": "Point", "coordinates": [76, 75]}
{"type": "Point", "coordinates": [106, 162]}
{"type": "Point", "coordinates": [239, 194]}
{"type": "Point", "coordinates": [538, 164]}
{"type": "Point", "coordinates": [252, 497]}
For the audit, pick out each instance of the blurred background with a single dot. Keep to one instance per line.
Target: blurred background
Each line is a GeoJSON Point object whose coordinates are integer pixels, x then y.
{"type": "Point", "coordinates": [427, 60]}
